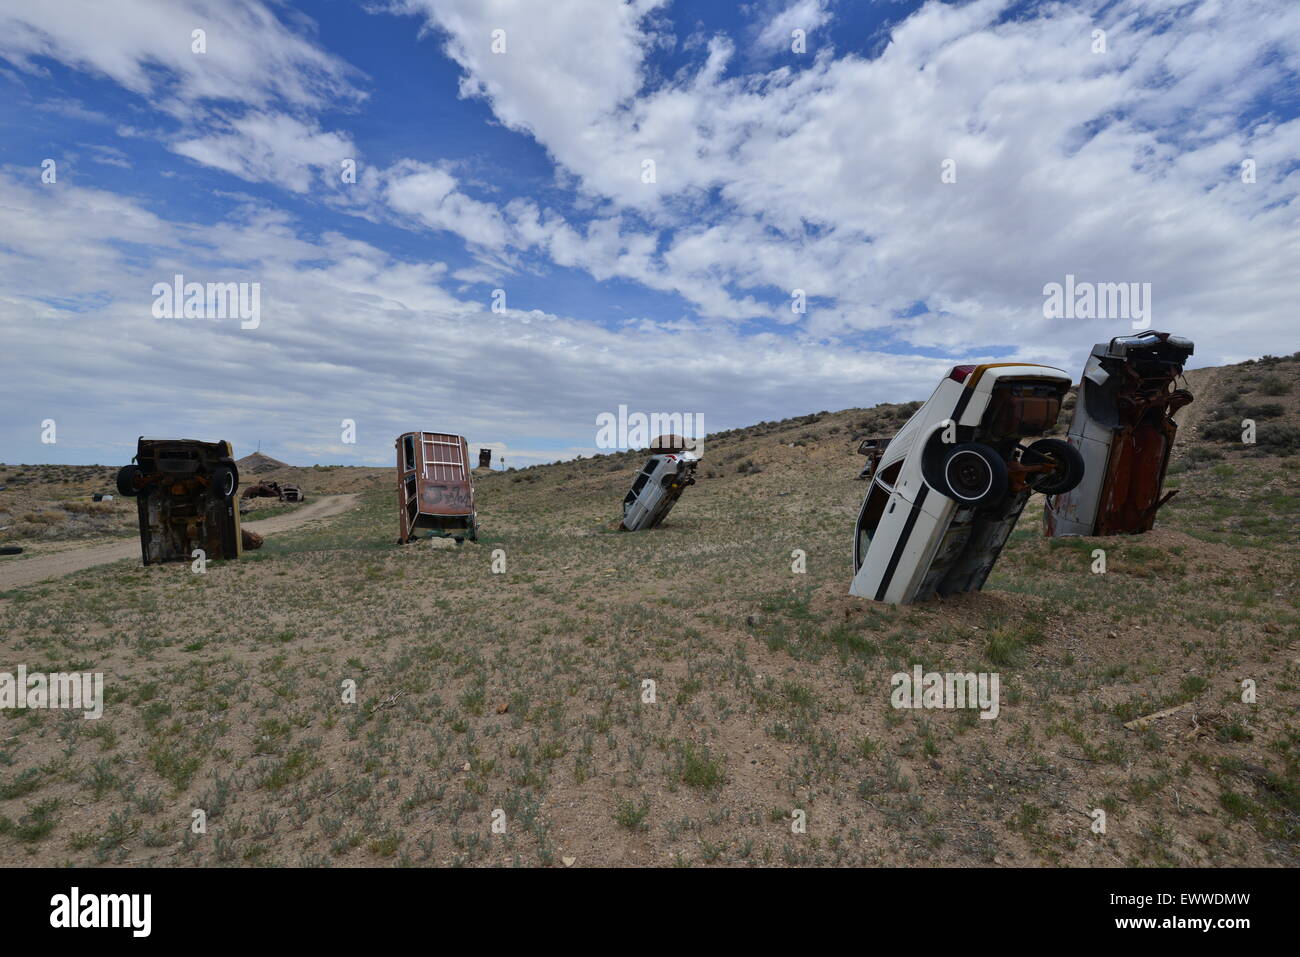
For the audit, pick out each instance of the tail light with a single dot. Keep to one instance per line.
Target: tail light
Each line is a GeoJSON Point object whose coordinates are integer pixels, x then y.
{"type": "Point", "coordinates": [960, 373]}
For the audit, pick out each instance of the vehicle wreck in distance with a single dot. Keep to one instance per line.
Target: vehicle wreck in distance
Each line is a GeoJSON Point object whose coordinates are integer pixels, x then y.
{"type": "Point", "coordinates": [945, 492]}
{"type": "Point", "coordinates": [1124, 428]}
{"type": "Point", "coordinates": [434, 487]}
{"type": "Point", "coordinates": [656, 490]}
{"type": "Point", "coordinates": [185, 499]}
{"type": "Point", "coordinates": [285, 493]}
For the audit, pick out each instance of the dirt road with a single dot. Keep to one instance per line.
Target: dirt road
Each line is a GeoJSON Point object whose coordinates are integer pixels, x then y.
{"type": "Point", "coordinates": [32, 570]}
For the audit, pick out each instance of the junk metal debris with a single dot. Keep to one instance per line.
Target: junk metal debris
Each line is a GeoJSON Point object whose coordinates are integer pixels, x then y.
{"type": "Point", "coordinates": [285, 493]}
{"type": "Point", "coordinates": [873, 449]}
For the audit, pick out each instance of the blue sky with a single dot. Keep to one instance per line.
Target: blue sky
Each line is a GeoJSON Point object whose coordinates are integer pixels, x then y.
{"type": "Point", "coordinates": [522, 170]}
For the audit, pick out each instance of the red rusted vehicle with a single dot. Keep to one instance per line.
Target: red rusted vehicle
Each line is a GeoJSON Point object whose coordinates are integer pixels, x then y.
{"type": "Point", "coordinates": [434, 488]}
{"type": "Point", "coordinates": [1124, 428]}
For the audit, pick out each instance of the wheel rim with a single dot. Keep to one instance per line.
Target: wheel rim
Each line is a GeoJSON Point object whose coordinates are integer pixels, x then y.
{"type": "Point", "coordinates": [969, 476]}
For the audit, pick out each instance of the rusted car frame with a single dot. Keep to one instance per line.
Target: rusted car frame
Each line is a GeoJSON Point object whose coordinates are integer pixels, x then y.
{"type": "Point", "coordinates": [435, 490]}
{"type": "Point", "coordinates": [185, 499]}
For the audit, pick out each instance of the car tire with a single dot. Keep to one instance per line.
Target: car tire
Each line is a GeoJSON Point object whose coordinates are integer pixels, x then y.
{"type": "Point", "coordinates": [974, 474]}
{"type": "Point", "coordinates": [225, 480]}
{"type": "Point", "coordinates": [1066, 457]}
{"type": "Point", "coordinates": [126, 477]}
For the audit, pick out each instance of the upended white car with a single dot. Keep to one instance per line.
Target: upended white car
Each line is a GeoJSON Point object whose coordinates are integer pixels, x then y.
{"type": "Point", "coordinates": [946, 490]}
{"type": "Point", "coordinates": [656, 490]}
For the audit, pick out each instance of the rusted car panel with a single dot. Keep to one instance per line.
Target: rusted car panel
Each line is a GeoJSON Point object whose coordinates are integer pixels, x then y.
{"type": "Point", "coordinates": [185, 499]}
{"type": "Point", "coordinates": [1124, 427]}
{"type": "Point", "coordinates": [434, 488]}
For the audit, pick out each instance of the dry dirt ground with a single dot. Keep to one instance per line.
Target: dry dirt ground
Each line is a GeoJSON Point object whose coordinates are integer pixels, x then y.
{"type": "Point", "coordinates": [516, 696]}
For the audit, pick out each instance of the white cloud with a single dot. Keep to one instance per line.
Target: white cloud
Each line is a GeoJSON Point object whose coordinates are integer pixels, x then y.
{"type": "Point", "coordinates": [805, 15]}
{"type": "Point", "coordinates": [274, 148]}
{"type": "Point", "coordinates": [429, 195]}
{"type": "Point", "coordinates": [146, 46]}
{"type": "Point", "coordinates": [1066, 160]}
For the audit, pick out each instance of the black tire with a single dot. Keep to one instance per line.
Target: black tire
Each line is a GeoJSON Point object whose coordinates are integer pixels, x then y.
{"type": "Point", "coordinates": [225, 480]}
{"type": "Point", "coordinates": [974, 474]}
{"type": "Point", "coordinates": [1067, 459]}
{"type": "Point", "coordinates": [126, 477]}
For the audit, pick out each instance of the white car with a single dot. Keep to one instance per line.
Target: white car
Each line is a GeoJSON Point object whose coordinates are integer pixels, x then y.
{"type": "Point", "coordinates": [1124, 427]}
{"type": "Point", "coordinates": [948, 488]}
{"type": "Point", "coordinates": [656, 490]}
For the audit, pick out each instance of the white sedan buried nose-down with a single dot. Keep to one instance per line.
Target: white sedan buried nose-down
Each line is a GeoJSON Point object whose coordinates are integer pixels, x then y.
{"type": "Point", "coordinates": [948, 488]}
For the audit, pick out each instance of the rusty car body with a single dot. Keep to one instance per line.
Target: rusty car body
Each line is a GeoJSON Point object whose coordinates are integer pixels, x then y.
{"type": "Point", "coordinates": [1124, 428]}
{"type": "Point", "coordinates": [261, 490]}
{"type": "Point", "coordinates": [434, 487]}
{"type": "Point", "coordinates": [185, 499]}
{"type": "Point", "coordinates": [266, 489]}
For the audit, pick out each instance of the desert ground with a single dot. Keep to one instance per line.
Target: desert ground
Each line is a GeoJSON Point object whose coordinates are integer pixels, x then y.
{"type": "Point", "coordinates": [515, 697]}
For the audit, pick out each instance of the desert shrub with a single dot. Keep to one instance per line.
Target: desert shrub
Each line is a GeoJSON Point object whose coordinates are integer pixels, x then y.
{"type": "Point", "coordinates": [1274, 385]}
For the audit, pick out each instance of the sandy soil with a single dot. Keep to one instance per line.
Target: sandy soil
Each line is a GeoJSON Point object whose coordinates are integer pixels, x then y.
{"type": "Point", "coordinates": [43, 567]}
